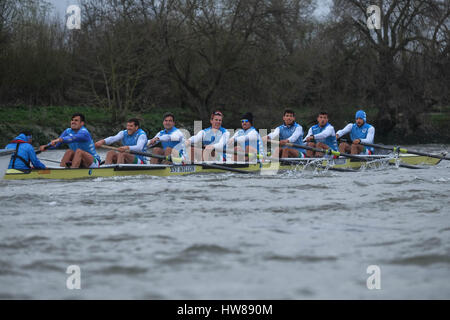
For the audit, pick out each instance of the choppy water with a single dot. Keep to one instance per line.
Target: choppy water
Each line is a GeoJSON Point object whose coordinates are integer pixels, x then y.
{"type": "Point", "coordinates": [229, 236]}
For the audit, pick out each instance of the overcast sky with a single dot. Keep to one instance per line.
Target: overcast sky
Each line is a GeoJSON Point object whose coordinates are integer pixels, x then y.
{"type": "Point", "coordinates": [61, 6]}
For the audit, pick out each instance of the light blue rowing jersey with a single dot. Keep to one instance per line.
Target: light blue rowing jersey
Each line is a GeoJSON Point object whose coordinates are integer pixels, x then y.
{"type": "Point", "coordinates": [173, 138]}
{"type": "Point", "coordinates": [258, 145]}
{"type": "Point", "coordinates": [132, 140]}
{"type": "Point", "coordinates": [361, 133]}
{"type": "Point", "coordinates": [211, 137]}
{"type": "Point", "coordinates": [330, 141]}
{"type": "Point", "coordinates": [287, 131]}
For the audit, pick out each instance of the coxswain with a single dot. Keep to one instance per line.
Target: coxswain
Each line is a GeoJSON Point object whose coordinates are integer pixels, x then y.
{"type": "Point", "coordinates": [25, 154]}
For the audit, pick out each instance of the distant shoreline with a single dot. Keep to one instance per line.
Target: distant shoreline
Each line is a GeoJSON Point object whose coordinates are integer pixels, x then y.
{"type": "Point", "coordinates": [47, 122]}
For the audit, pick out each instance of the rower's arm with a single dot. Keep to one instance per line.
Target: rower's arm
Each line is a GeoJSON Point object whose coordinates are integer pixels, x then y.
{"type": "Point", "coordinates": [112, 139]}
{"type": "Point", "coordinates": [232, 140]}
{"type": "Point", "coordinates": [274, 134]}
{"type": "Point", "coordinates": [142, 141]}
{"type": "Point", "coordinates": [158, 135]}
{"type": "Point", "coordinates": [251, 136]}
{"type": "Point", "coordinates": [343, 132]}
{"type": "Point", "coordinates": [222, 141]}
{"type": "Point", "coordinates": [329, 131]}
{"type": "Point", "coordinates": [175, 136]}
{"type": "Point", "coordinates": [297, 134]}
{"type": "Point", "coordinates": [34, 159]}
{"type": "Point", "coordinates": [370, 136]}
{"type": "Point", "coordinates": [197, 138]}
{"type": "Point", "coordinates": [49, 145]}
{"type": "Point", "coordinates": [309, 134]}
{"type": "Point", "coordinates": [80, 136]}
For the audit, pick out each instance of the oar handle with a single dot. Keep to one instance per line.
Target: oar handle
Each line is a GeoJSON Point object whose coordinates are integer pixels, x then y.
{"type": "Point", "coordinates": [39, 150]}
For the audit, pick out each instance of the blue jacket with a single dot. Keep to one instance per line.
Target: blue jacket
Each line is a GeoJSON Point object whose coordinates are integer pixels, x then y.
{"type": "Point", "coordinates": [25, 152]}
{"type": "Point", "coordinates": [79, 139]}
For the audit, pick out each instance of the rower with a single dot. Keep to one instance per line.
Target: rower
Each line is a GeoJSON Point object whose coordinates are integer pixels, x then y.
{"type": "Point", "coordinates": [248, 139]}
{"type": "Point", "coordinates": [82, 153]}
{"type": "Point", "coordinates": [360, 131]}
{"type": "Point", "coordinates": [24, 154]}
{"type": "Point", "coordinates": [133, 138]}
{"type": "Point", "coordinates": [213, 140]}
{"type": "Point", "coordinates": [170, 138]}
{"type": "Point", "coordinates": [321, 136]}
{"type": "Point", "coordinates": [289, 132]}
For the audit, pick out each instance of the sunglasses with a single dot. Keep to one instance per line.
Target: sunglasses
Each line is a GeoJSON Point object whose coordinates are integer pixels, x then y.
{"type": "Point", "coordinates": [218, 114]}
{"type": "Point", "coordinates": [244, 120]}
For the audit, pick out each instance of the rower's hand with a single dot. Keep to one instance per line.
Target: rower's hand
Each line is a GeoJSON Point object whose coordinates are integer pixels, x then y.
{"type": "Point", "coordinates": [98, 144]}
{"type": "Point", "coordinates": [356, 141]}
{"type": "Point", "coordinates": [283, 142]}
{"type": "Point", "coordinates": [209, 148]}
{"type": "Point", "coordinates": [153, 141]}
{"type": "Point", "coordinates": [337, 136]}
{"type": "Point", "coordinates": [123, 149]}
{"type": "Point", "coordinates": [310, 138]}
{"type": "Point", "coordinates": [56, 141]}
{"type": "Point", "coordinates": [43, 148]}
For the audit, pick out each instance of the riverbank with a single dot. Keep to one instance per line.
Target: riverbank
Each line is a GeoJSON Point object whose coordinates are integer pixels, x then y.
{"type": "Point", "coordinates": [49, 122]}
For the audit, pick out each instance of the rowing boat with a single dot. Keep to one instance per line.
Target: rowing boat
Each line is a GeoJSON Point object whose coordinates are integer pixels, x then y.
{"type": "Point", "coordinates": [164, 170]}
{"type": "Point", "coordinates": [120, 170]}
{"type": "Point", "coordinates": [5, 156]}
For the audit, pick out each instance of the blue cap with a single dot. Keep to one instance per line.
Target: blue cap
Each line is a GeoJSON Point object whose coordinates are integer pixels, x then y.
{"type": "Point", "coordinates": [360, 114]}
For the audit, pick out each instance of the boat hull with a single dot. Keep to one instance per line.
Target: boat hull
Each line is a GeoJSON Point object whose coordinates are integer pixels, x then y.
{"type": "Point", "coordinates": [121, 171]}
{"type": "Point", "coordinates": [178, 170]}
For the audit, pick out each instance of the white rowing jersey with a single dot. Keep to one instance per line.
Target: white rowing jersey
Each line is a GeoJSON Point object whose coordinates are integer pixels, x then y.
{"type": "Point", "coordinates": [249, 137]}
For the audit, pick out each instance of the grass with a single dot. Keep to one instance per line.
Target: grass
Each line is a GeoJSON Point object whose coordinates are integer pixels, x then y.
{"type": "Point", "coordinates": [48, 122]}
{"type": "Point", "coordinates": [50, 116]}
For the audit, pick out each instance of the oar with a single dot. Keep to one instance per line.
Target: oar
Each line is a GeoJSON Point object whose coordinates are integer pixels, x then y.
{"type": "Point", "coordinates": [6, 152]}
{"type": "Point", "coordinates": [325, 151]}
{"type": "Point", "coordinates": [405, 165]}
{"type": "Point", "coordinates": [170, 159]}
{"type": "Point", "coordinates": [48, 160]}
{"type": "Point", "coordinates": [402, 150]}
{"type": "Point", "coordinates": [39, 150]}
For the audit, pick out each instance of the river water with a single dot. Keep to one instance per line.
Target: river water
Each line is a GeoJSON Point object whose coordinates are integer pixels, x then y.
{"type": "Point", "coordinates": [296, 235]}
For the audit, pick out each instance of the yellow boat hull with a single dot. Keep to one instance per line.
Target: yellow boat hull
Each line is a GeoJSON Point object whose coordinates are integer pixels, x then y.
{"type": "Point", "coordinates": [121, 171]}
{"type": "Point", "coordinates": [178, 170]}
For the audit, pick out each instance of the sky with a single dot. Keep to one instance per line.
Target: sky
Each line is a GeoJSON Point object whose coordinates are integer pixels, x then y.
{"type": "Point", "coordinates": [61, 6]}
